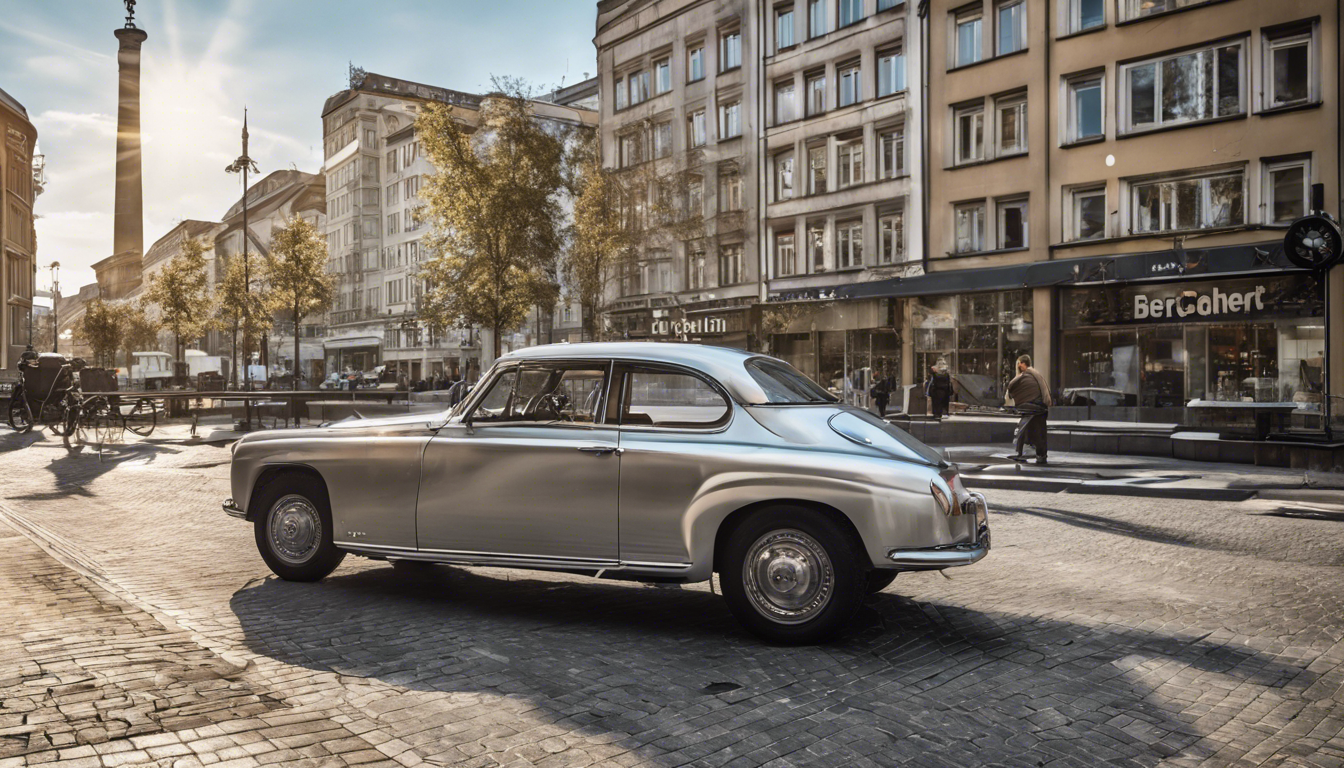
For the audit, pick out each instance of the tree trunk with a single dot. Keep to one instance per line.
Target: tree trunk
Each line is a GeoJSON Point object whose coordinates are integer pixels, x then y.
{"type": "Point", "coordinates": [296, 349]}
{"type": "Point", "coordinates": [233, 355]}
{"type": "Point", "coordinates": [498, 343]}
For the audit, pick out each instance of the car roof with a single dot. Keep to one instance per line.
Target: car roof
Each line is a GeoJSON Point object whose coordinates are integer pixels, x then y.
{"type": "Point", "coordinates": [724, 364]}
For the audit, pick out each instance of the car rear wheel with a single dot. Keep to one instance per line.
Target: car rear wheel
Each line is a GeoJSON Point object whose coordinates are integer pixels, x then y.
{"type": "Point", "coordinates": [293, 529]}
{"type": "Point", "coordinates": [793, 575]}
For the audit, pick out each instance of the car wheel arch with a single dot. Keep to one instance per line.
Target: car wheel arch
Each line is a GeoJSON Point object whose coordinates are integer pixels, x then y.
{"type": "Point", "coordinates": [276, 472]}
{"type": "Point", "coordinates": [739, 516]}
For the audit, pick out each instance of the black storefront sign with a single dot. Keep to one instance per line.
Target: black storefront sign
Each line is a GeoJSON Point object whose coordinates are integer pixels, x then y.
{"type": "Point", "coordinates": [1245, 299]}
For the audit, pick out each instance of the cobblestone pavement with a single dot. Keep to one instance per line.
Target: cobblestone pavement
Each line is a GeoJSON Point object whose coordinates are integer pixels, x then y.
{"type": "Point", "coordinates": [1102, 630]}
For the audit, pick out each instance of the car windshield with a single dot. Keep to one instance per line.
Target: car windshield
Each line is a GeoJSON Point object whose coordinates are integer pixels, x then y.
{"type": "Point", "coordinates": [785, 385]}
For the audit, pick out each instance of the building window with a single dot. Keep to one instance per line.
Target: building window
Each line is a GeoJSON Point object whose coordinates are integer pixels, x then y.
{"type": "Point", "coordinates": [695, 128]}
{"type": "Point", "coordinates": [784, 28]}
{"type": "Point", "coordinates": [883, 5]}
{"type": "Point", "coordinates": [1287, 189]}
{"type": "Point", "coordinates": [891, 147]}
{"type": "Point", "coordinates": [970, 130]}
{"type": "Point", "coordinates": [1290, 76]}
{"type": "Point", "coordinates": [695, 64]}
{"type": "Point", "coordinates": [1184, 87]}
{"type": "Point", "coordinates": [730, 51]}
{"type": "Point", "coordinates": [816, 94]}
{"type": "Point", "coordinates": [891, 237]}
{"type": "Point", "coordinates": [1137, 9]}
{"type": "Point", "coordinates": [970, 225]}
{"type": "Point", "coordinates": [967, 43]}
{"type": "Point", "coordinates": [732, 269]}
{"type": "Point", "coordinates": [816, 18]}
{"type": "Point", "coordinates": [1087, 213]}
{"type": "Point", "coordinates": [662, 140]}
{"type": "Point", "coordinates": [392, 162]}
{"type": "Point", "coordinates": [1085, 14]}
{"type": "Point", "coordinates": [620, 93]}
{"type": "Point", "coordinates": [1188, 202]}
{"type": "Point", "coordinates": [1012, 124]}
{"type": "Point", "coordinates": [851, 84]}
{"type": "Point", "coordinates": [391, 194]}
{"type": "Point", "coordinates": [816, 165]}
{"type": "Point", "coordinates": [1084, 105]}
{"type": "Point", "coordinates": [1011, 17]}
{"type": "Point", "coordinates": [730, 190]}
{"type": "Point", "coordinates": [890, 73]}
{"type": "Point", "coordinates": [784, 176]}
{"type": "Point", "coordinates": [1012, 224]}
{"type": "Point", "coordinates": [849, 244]}
{"type": "Point", "coordinates": [730, 120]}
{"type": "Point", "coordinates": [816, 246]}
{"type": "Point", "coordinates": [631, 151]}
{"type": "Point", "coordinates": [786, 257]}
{"type": "Point", "coordinates": [695, 196]}
{"type": "Point", "coordinates": [394, 224]}
{"type": "Point", "coordinates": [786, 103]}
{"type": "Point", "coordinates": [851, 12]}
{"type": "Point", "coordinates": [850, 159]}
{"type": "Point", "coordinates": [662, 76]}
{"type": "Point", "coordinates": [639, 87]}
{"type": "Point", "coordinates": [695, 270]}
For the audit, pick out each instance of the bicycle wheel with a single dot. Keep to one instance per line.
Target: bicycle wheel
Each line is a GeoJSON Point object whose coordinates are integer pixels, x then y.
{"type": "Point", "coordinates": [142, 417]}
{"type": "Point", "coordinates": [95, 423]}
{"type": "Point", "coordinates": [20, 416]}
{"type": "Point", "coordinates": [69, 421]}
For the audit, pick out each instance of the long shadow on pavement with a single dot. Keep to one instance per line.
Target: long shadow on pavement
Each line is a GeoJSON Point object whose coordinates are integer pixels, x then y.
{"type": "Point", "coordinates": [923, 682]}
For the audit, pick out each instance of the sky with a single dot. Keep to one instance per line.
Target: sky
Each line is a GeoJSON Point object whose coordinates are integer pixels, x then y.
{"type": "Point", "coordinates": [205, 59]}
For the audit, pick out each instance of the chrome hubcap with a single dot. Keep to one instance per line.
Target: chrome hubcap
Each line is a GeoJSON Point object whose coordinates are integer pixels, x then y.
{"type": "Point", "coordinates": [295, 529]}
{"type": "Point", "coordinates": [788, 576]}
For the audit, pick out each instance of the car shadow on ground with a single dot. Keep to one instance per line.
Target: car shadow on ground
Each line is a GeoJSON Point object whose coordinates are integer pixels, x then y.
{"type": "Point", "coordinates": [670, 671]}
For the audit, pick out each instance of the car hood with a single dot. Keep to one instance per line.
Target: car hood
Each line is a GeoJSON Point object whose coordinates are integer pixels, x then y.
{"type": "Point", "coordinates": [842, 428]}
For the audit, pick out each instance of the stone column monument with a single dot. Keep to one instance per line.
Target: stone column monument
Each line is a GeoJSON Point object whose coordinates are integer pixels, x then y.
{"type": "Point", "coordinates": [122, 271]}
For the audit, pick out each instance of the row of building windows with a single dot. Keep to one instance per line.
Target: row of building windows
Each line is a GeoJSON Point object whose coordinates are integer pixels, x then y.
{"type": "Point", "coordinates": [849, 163]}
{"type": "Point", "coordinates": [850, 248]}
{"type": "Point", "coordinates": [399, 159]}
{"type": "Point", "coordinates": [847, 13]}
{"type": "Point", "coordinates": [406, 189]}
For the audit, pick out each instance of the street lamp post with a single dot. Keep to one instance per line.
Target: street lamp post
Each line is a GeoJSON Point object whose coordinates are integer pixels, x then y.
{"type": "Point", "coordinates": [55, 297]}
{"type": "Point", "coordinates": [242, 165]}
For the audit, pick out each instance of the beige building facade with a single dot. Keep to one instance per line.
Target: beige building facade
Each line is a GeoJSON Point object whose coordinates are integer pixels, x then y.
{"type": "Point", "coordinates": [18, 238]}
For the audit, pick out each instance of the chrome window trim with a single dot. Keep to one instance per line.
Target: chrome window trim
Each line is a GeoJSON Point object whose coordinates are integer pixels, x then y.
{"type": "Point", "coordinates": [499, 369]}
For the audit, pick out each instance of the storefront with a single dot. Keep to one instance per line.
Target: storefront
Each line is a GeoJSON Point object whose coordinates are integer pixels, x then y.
{"type": "Point", "coordinates": [846, 346]}
{"type": "Point", "coordinates": [1145, 349]}
{"type": "Point", "coordinates": [353, 353]}
{"type": "Point", "coordinates": [978, 335]}
{"type": "Point", "coordinates": [722, 323]}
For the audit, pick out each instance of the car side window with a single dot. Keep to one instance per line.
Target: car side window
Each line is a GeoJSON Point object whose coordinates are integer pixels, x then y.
{"type": "Point", "coordinates": [670, 399]}
{"type": "Point", "coordinates": [547, 394]}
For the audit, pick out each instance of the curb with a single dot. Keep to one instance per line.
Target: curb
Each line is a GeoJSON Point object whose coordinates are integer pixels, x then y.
{"type": "Point", "coordinates": [1105, 488]}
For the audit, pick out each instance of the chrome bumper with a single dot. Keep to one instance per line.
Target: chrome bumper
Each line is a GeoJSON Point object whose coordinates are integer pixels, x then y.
{"type": "Point", "coordinates": [946, 556]}
{"type": "Point", "coordinates": [233, 510]}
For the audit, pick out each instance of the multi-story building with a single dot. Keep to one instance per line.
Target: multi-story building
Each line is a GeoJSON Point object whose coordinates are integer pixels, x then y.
{"type": "Point", "coordinates": [375, 167]}
{"type": "Point", "coordinates": [1109, 187]}
{"type": "Point", "coordinates": [682, 124]}
{"type": "Point", "coordinates": [18, 238]}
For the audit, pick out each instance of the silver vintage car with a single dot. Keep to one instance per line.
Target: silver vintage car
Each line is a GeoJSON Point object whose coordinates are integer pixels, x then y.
{"type": "Point", "coordinates": [644, 461]}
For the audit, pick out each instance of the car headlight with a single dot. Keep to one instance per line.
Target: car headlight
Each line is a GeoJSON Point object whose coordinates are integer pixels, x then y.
{"type": "Point", "coordinates": [939, 496]}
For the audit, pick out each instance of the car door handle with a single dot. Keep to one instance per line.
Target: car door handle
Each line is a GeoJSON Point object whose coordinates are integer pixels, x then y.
{"type": "Point", "coordinates": [599, 450]}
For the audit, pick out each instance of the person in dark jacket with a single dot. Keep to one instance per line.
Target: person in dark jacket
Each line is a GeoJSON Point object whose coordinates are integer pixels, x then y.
{"type": "Point", "coordinates": [939, 389]}
{"type": "Point", "coordinates": [881, 393]}
{"type": "Point", "coordinates": [1031, 398]}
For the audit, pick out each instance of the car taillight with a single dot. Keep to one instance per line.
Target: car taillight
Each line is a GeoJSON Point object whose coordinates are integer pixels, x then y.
{"type": "Point", "coordinates": [953, 480]}
{"type": "Point", "coordinates": [939, 496]}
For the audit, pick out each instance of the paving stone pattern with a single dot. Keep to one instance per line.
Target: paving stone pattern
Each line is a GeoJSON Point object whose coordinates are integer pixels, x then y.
{"type": "Point", "coordinates": [1100, 631]}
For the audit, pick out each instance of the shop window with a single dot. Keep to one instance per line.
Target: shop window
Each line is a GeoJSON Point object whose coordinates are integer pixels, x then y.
{"type": "Point", "coordinates": [816, 94]}
{"type": "Point", "coordinates": [1192, 85]}
{"type": "Point", "coordinates": [1189, 202]}
{"type": "Point", "coordinates": [849, 244]}
{"type": "Point", "coordinates": [969, 126]}
{"type": "Point", "coordinates": [891, 148]}
{"type": "Point", "coordinates": [849, 156]}
{"type": "Point", "coordinates": [1085, 107]}
{"type": "Point", "coordinates": [784, 176]}
{"type": "Point", "coordinates": [1011, 18]}
{"type": "Point", "coordinates": [1290, 71]}
{"type": "Point", "coordinates": [970, 227]}
{"type": "Point", "coordinates": [786, 257]}
{"type": "Point", "coordinates": [891, 237]}
{"type": "Point", "coordinates": [850, 79]}
{"type": "Point", "coordinates": [1087, 213]}
{"type": "Point", "coordinates": [783, 27]}
{"type": "Point", "coordinates": [1012, 124]}
{"type": "Point", "coordinates": [966, 40]}
{"type": "Point", "coordinates": [816, 163]}
{"type": "Point", "coordinates": [1243, 362]}
{"type": "Point", "coordinates": [1301, 363]}
{"type": "Point", "coordinates": [1012, 224]}
{"type": "Point", "coordinates": [1085, 14]}
{"type": "Point", "coordinates": [1287, 189]}
{"type": "Point", "coordinates": [890, 72]}
{"type": "Point", "coordinates": [786, 102]}
{"type": "Point", "coordinates": [1100, 369]}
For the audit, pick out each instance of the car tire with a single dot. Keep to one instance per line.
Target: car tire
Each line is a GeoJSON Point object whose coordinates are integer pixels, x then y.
{"type": "Point", "coordinates": [879, 580]}
{"type": "Point", "coordinates": [293, 529]}
{"type": "Point", "coordinates": [808, 579]}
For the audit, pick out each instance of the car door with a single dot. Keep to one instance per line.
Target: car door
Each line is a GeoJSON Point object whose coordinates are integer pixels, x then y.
{"type": "Point", "coordinates": [530, 472]}
{"type": "Point", "coordinates": [672, 421]}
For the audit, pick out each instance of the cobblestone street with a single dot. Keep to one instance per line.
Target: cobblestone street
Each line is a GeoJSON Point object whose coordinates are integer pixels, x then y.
{"type": "Point", "coordinates": [144, 629]}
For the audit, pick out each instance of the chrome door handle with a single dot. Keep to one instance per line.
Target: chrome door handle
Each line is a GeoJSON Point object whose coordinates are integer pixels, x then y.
{"type": "Point", "coordinates": [599, 450]}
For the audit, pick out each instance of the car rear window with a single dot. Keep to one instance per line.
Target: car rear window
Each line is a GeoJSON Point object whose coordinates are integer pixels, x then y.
{"type": "Point", "coordinates": [785, 385]}
{"type": "Point", "coordinates": [864, 428]}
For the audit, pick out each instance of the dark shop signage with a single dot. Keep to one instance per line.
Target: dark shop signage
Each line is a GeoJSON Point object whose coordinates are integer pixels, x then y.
{"type": "Point", "coordinates": [1205, 301]}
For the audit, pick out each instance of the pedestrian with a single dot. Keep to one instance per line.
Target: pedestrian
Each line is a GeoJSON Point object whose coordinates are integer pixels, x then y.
{"type": "Point", "coordinates": [1031, 398]}
{"type": "Point", "coordinates": [939, 388]}
{"type": "Point", "coordinates": [881, 393]}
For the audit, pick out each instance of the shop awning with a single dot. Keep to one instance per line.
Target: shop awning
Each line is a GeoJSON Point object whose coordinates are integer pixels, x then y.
{"type": "Point", "coordinates": [352, 341]}
{"type": "Point", "coordinates": [1155, 265]}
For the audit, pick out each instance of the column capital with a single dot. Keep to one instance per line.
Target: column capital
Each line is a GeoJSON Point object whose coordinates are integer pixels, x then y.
{"type": "Point", "coordinates": [131, 38]}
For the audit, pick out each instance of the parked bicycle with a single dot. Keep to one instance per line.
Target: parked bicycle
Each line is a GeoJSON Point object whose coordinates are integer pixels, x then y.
{"type": "Point", "coordinates": [47, 394]}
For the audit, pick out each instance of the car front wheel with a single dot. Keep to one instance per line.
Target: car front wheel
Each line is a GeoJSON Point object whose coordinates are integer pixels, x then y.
{"type": "Point", "coordinates": [293, 529]}
{"type": "Point", "coordinates": [793, 575]}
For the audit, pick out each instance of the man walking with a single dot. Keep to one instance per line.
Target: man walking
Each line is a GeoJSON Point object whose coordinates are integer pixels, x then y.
{"type": "Point", "coordinates": [938, 389]}
{"type": "Point", "coordinates": [1031, 398]}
